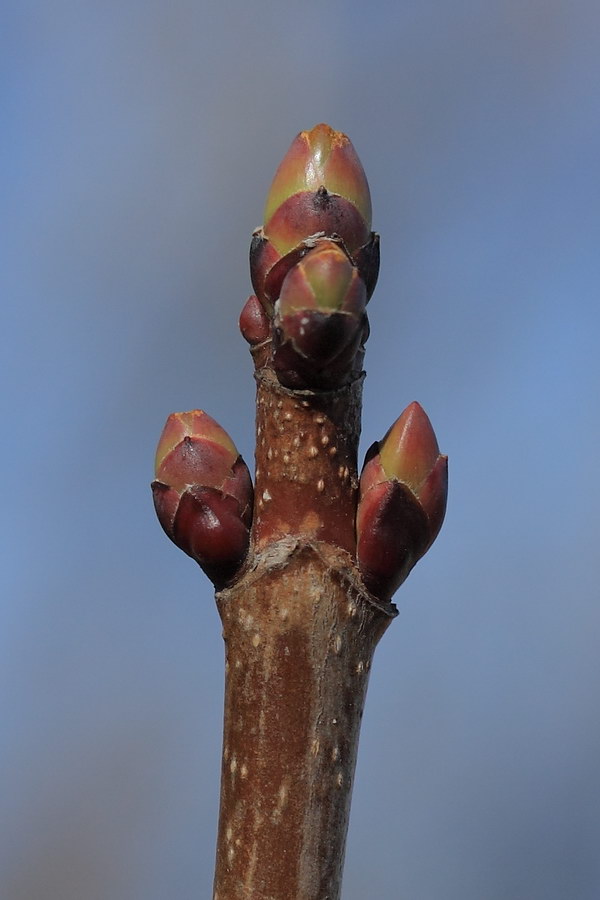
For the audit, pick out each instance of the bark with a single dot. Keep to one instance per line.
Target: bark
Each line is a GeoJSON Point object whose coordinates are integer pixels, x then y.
{"type": "Point", "coordinates": [300, 630]}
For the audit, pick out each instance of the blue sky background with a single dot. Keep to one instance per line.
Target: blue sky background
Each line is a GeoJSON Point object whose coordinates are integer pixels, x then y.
{"type": "Point", "coordinates": [139, 141]}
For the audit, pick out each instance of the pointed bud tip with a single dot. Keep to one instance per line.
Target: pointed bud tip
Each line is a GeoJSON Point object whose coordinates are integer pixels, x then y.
{"type": "Point", "coordinates": [192, 424]}
{"type": "Point", "coordinates": [410, 449]}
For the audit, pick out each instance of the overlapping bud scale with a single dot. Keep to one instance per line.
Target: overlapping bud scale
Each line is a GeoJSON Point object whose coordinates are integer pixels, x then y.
{"type": "Point", "coordinates": [403, 490]}
{"type": "Point", "coordinates": [203, 493]}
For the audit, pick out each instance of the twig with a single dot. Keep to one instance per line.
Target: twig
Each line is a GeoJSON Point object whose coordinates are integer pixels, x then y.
{"type": "Point", "coordinates": [306, 568]}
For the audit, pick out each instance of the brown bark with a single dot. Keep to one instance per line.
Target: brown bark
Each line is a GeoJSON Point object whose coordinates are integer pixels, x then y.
{"type": "Point", "coordinates": [300, 630]}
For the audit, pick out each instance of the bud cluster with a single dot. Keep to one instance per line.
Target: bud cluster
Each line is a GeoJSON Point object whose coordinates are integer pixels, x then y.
{"type": "Point", "coordinates": [203, 493]}
{"type": "Point", "coordinates": [314, 264]}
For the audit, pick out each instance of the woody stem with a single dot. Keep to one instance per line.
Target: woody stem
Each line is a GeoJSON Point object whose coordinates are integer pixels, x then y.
{"type": "Point", "coordinates": [300, 631]}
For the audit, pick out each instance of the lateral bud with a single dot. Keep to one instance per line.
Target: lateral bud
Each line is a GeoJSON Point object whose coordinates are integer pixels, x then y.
{"type": "Point", "coordinates": [254, 322]}
{"type": "Point", "coordinates": [203, 493]}
{"type": "Point", "coordinates": [320, 322]}
{"type": "Point", "coordinates": [402, 502]}
{"type": "Point", "coordinates": [319, 190]}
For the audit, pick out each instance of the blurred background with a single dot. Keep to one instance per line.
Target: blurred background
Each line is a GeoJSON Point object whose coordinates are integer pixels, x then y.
{"type": "Point", "coordinates": [139, 140]}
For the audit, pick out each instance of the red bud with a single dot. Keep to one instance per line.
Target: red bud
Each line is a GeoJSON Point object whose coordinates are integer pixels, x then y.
{"type": "Point", "coordinates": [254, 322]}
{"type": "Point", "coordinates": [203, 493]}
{"type": "Point", "coordinates": [320, 186]}
{"type": "Point", "coordinates": [403, 490]}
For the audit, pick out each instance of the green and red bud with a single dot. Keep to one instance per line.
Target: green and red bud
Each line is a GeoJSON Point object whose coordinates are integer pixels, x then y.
{"type": "Point", "coordinates": [320, 322]}
{"type": "Point", "coordinates": [319, 190]}
{"type": "Point", "coordinates": [325, 279]}
{"type": "Point", "coordinates": [320, 158]}
{"type": "Point", "coordinates": [403, 490]}
{"type": "Point", "coordinates": [320, 186]}
{"type": "Point", "coordinates": [203, 493]}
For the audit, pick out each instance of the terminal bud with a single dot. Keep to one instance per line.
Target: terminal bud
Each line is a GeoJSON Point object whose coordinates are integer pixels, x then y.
{"type": "Point", "coordinates": [319, 190]}
{"type": "Point", "coordinates": [319, 187]}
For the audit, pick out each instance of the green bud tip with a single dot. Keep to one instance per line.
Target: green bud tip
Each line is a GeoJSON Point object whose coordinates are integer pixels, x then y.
{"type": "Point", "coordinates": [325, 279]}
{"type": "Point", "coordinates": [410, 450]}
{"type": "Point", "coordinates": [194, 449]}
{"type": "Point", "coordinates": [194, 424]}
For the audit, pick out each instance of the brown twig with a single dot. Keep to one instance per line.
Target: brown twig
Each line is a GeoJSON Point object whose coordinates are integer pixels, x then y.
{"type": "Point", "coordinates": [300, 631]}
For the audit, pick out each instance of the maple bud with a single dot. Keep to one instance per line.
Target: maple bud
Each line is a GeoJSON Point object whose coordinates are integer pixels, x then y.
{"type": "Point", "coordinates": [320, 320]}
{"type": "Point", "coordinates": [319, 190]}
{"type": "Point", "coordinates": [203, 493]}
{"type": "Point", "coordinates": [403, 490]}
{"type": "Point", "coordinates": [320, 186]}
